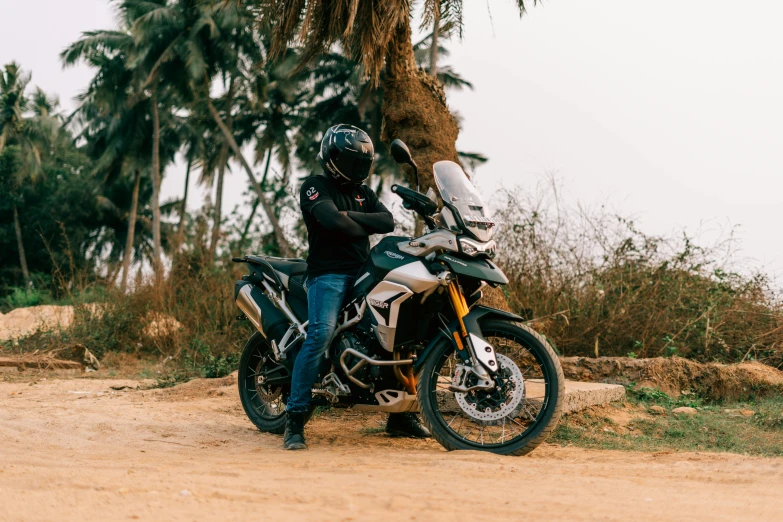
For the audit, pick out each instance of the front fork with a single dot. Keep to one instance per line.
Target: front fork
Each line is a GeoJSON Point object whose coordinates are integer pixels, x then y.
{"type": "Point", "coordinates": [481, 353]}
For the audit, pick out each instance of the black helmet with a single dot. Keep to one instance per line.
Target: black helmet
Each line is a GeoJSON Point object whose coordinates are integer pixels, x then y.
{"type": "Point", "coordinates": [346, 154]}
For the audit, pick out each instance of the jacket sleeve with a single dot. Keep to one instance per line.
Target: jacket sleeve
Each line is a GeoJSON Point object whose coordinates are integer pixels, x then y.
{"type": "Point", "coordinates": [327, 214]}
{"type": "Point", "coordinates": [374, 222]}
{"type": "Point", "coordinates": [378, 219]}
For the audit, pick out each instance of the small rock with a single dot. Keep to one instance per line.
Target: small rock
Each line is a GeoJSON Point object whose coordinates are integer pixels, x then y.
{"type": "Point", "coordinates": [185, 493]}
{"type": "Point", "coordinates": [747, 413]}
{"type": "Point", "coordinates": [684, 410]}
{"type": "Point", "coordinates": [657, 410]}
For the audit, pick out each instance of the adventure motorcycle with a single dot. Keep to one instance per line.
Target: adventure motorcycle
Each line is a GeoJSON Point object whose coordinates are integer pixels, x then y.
{"type": "Point", "coordinates": [411, 336]}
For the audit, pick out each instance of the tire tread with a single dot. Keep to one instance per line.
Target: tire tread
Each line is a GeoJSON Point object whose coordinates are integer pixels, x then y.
{"type": "Point", "coordinates": [447, 441]}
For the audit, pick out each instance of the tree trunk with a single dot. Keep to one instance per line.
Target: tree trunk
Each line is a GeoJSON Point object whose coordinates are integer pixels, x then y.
{"type": "Point", "coordinates": [20, 245]}
{"type": "Point", "coordinates": [184, 207]}
{"type": "Point", "coordinates": [156, 247]}
{"type": "Point", "coordinates": [247, 225]}
{"type": "Point", "coordinates": [129, 241]}
{"type": "Point", "coordinates": [434, 48]}
{"type": "Point", "coordinates": [255, 205]}
{"type": "Point", "coordinates": [282, 242]}
{"type": "Point", "coordinates": [415, 111]}
{"type": "Point", "coordinates": [222, 161]}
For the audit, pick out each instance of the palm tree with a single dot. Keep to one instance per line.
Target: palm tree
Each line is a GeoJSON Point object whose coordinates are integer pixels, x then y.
{"type": "Point", "coordinates": [114, 120]}
{"type": "Point", "coordinates": [197, 140]}
{"type": "Point", "coordinates": [201, 39]}
{"type": "Point", "coordinates": [378, 35]}
{"type": "Point", "coordinates": [32, 125]}
{"type": "Point", "coordinates": [340, 93]}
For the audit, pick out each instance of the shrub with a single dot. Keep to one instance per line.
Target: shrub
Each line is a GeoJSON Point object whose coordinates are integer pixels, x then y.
{"type": "Point", "coordinates": [596, 285]}
{"type": "Point", "coordinates": [24, 297]}
{"type": "Point", "coordinates": [198, 294]}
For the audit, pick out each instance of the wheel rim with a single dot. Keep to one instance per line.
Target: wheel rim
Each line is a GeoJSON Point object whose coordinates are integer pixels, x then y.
{"type": "Point", "coordinates": [267, 401]}
{"type": "Point", "coordinates": [491, 431]}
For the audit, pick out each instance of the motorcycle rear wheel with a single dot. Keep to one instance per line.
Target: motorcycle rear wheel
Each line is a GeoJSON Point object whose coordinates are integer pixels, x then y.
{"type": "Point", "coordinates": [515, 433]}
{"type": "Point", "coordinates": [264, 406]}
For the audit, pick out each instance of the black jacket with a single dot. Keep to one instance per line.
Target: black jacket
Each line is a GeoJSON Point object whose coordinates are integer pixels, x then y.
{"type": "Point", "coordinates": [339, 243]}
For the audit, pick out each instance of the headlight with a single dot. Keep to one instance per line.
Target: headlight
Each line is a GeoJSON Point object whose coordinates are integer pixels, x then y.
{"type": "Point", "coordinates": [474, 248]}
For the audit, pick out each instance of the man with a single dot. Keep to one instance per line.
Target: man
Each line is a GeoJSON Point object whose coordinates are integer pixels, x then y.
{"type": "Point", "coordinates": [340, 213]}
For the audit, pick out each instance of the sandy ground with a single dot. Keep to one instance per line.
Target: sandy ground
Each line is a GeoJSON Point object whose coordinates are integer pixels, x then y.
{"type": "Point", "coordinates": [75, 449]}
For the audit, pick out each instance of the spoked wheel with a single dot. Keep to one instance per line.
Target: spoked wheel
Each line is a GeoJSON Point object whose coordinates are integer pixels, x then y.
{"type": "Point", "coordinates": [513, 417]}
{"type": "Point", "coordinates": [264, 404]}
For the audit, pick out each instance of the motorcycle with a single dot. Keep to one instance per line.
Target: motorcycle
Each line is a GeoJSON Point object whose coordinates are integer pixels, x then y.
{"type": "Point", "coordinates": [412, 336]}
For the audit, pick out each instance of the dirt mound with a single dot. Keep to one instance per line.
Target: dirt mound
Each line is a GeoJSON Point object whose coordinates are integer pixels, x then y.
{"type": "Point", "coordinates": [676, 375]}
{"type": "Point", "coordinates": [198, 389]}
{"type": "Point", "coordinates": [22, 322]}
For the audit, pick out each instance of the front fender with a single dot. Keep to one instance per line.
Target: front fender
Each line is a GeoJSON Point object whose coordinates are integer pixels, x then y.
{"type": "Point", "coordinates": [485, 312]}
{"type": "Point", "coordinates": [471, 321]}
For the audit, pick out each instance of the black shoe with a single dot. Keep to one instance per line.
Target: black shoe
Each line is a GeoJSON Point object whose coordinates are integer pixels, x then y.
{"type": "Point", "coordinates": [406, 425]}
{"type": "Point", "coordinates": [293, 439]}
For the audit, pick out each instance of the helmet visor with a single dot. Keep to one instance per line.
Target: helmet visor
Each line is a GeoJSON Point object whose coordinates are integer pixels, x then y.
{"type": "Point", "coordinates": [356, 169]}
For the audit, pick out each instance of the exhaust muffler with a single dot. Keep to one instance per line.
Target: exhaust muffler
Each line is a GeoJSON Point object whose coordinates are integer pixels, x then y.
{"type": "Point", "coordinates": [259, 309]}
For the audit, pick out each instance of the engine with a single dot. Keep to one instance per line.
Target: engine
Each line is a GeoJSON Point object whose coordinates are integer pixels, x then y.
{"type": "Point", "coordinates": [367, 374]}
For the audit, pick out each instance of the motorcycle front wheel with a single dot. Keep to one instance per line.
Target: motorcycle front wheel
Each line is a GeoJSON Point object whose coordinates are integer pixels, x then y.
{"type": "Point", "coordinates": [516, 415]}
{"type": "Point", "coordinates": [264, 404]}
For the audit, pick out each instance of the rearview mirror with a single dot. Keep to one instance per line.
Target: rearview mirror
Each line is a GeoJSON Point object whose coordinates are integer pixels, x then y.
{"type": "Point", "coordinates": [431, 194]}
{"type": "Point", "coordinates": [400, 152]}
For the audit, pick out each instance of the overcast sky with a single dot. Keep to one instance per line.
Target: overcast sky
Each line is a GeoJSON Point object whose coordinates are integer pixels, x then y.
{"type": "Point", "coordinates": [671, 112]}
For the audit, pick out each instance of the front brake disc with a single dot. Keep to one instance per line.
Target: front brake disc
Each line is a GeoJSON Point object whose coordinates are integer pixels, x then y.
{"type": "Point", "coordinates": [488, 409]}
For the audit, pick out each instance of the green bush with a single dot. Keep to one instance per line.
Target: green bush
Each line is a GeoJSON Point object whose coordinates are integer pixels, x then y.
{"type": "Point", "coordinates": [24, 297]}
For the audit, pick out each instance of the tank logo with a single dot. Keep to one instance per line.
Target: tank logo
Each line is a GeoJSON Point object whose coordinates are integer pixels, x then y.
{"type": "Point", "coordinates": [394, 255]}
{"type": "Point", "coordinates": [378, 304]}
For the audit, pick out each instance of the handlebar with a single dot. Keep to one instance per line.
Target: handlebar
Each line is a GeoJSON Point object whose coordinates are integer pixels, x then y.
{"type": "Point", "coordinates": [419, 203]}
{"type": "Point", "coordinates": [415, 201]}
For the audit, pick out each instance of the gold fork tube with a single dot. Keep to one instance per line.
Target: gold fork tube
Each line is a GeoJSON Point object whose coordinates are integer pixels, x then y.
{"type": "Point", "coordinates": [460, 306]}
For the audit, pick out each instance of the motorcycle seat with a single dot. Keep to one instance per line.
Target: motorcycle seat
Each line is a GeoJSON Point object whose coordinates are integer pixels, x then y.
{"type": "Point", "coordinates": [285, 268]}
{"type": "Point", "coordinates": [289, 267]}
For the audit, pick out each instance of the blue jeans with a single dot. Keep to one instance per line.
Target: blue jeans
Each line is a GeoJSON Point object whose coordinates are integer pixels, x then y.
{"type": "Point", "coordinates": [325, 296]}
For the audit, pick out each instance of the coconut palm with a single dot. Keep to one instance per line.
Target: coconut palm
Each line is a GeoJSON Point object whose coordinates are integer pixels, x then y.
{"type": "Point", "coordinates": [114, 120]}
{"type": "Point", "coordinates": [377, 34]}
{"type": "Point", "coordinates": [32, 125]}
{"type": "Point", "coordinates": [340, 93]}
{"type": "Point", "coordinates": [200, 39]}
{"type": "Point", "coordinates": [116, 109]}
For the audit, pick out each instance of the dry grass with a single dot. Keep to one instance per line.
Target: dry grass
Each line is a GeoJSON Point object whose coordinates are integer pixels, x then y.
{"type": "Point", "coordinates": [596, 285]}
{"type": "Point", "coordinates": [198, 294]}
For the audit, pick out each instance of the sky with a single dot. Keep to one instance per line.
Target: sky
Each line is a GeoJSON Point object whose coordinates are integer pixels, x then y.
{"type": "Point", "coordinates": [669, 112]}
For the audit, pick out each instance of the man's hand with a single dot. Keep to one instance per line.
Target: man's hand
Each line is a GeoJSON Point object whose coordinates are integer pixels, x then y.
{"type": "Point", "coordinates": [344, 212]}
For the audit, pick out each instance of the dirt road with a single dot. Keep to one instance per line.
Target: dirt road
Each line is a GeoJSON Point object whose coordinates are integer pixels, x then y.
{"type": "Point", "coordinates": [75, 449]}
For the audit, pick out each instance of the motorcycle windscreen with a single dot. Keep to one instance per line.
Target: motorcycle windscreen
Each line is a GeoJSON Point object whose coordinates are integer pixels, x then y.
{"type": "Point", "coordinates": [458, 192]}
